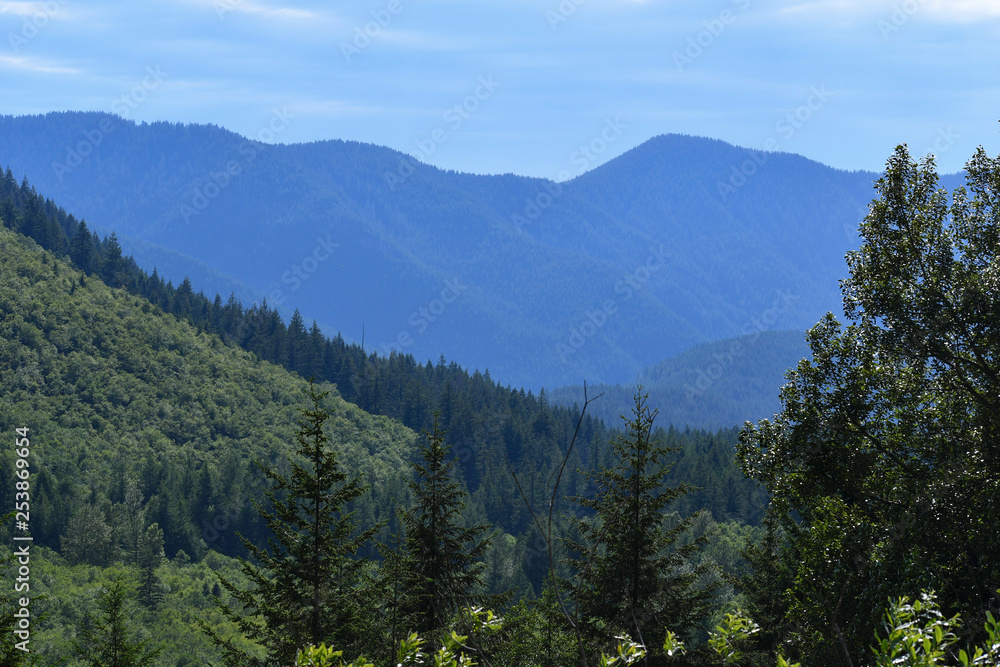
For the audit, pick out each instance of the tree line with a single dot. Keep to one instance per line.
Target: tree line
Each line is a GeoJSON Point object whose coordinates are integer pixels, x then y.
{"type": "Point", "coordinates": [879, 544]}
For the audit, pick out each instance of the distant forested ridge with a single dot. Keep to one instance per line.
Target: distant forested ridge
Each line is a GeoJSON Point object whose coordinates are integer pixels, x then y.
{"type": "Point", "coordinates": [152, 402]}
{"type": "Point", "coordinates": [545, 283]}
{"type": "Point", "coordinates": [713, 385]}
{"type": "Point", "coordinates": [473, 407]}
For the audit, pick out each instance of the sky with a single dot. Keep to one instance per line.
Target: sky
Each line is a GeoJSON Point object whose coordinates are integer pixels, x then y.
{"type": "Point", "coordinates": [532, 87]}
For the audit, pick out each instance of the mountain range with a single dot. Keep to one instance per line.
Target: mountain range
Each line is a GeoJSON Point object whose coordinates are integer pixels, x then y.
{"type": "Point", "coordinates": [710, 386]}
{"type": "Point", "coordinates": [680, 241]}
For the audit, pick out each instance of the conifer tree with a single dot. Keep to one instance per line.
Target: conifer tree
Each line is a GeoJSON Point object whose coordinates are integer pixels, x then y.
{"type": "Point", "coordinates": [444, 558]}
{"type": "Point", "coordinates": [308, 587]}
{"type": "Point", "coordinates": [113, 263]}
{"type": "Point", "coordinates": [104, 639]}
{"type": "Point", "coordinates": [772, 563]}
{"type": "Point", "coordinates": [150, 557]}
{"type": "Point", "coordinates": [131, 521]}
{"type": "Point", "coordinates": [635, 577]}
{"type": "Point", "coordinates": [398, 616]}
{"type": "Point", "coordinates": [88, 538]}
{"type": "Point", "coordinates": [81, 249]}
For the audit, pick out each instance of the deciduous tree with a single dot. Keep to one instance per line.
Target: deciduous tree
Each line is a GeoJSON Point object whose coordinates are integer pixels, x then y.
{"type": "Point", "coordinates": [886, 453]}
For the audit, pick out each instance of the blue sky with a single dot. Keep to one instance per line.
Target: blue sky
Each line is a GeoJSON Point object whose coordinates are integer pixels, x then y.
{"type": "Point", "coordinates": [521, 85]}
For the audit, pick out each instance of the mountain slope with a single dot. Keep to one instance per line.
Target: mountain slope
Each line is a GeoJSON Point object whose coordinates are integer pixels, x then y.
{"type": "Point", "coordinates": [543, 283]}
{"type": "Point", "coordinates": [111, 388]}
{"type": "Point", "coordinates": [117, 392]}
{"type": "Point", "coordinates": [710, 386]}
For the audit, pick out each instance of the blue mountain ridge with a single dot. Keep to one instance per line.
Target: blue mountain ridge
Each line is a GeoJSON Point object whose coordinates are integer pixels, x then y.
{"type": "Point", "coordinates": [670, 245]}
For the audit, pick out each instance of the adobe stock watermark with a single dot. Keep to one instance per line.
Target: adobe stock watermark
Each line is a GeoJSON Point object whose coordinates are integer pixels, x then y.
{"type": "Point", "coordinates": [304, 269]}
{"type": "Point", "coordinates": [627, 287]}
{"type": "Point", "coordinates": [712, 30]}
{"type": "Point", "coordinates": [77, 154]}
{"type": "Point", "coordinates": [33, 24]}
{"type": "Point", "coordinates": [944, 140]}
{"type": "Point", "coordinates": [223, 520]}
{"type": "Point", "coordinates": [853, 233]}
{"type": "Point", "coordinates": [786, 128]}
{"type": "Point", "coordinates": [365, 35]}
{"type": "Point", "coordinates": [454, 118]}
{"type": "Point", "coordinates": [223, 7]}
{"type": "Point", "coordinates": [562, 12]}
{"type": "Point", "coordinates": [217, 181]}
{"type": "Point", "coordinates": [582, 158]}
{"type": "Point", "coordinates": [901, 14]}
{"type": "Point", "coordinates": [709, 375]}
{"type": "Point", "coordinates": [421, 319]}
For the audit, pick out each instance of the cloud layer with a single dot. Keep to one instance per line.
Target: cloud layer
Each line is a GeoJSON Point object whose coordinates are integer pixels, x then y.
{"type": "Point", "coordinates": [392, 72]}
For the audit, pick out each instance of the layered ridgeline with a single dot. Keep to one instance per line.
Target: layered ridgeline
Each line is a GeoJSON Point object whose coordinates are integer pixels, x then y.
{"type": "Point", "coordinates": [142, 416]}
{"type": "Point", "coordinates": [485, 424]}
{"type": "Point", "coordinates": [711, 386]}
{"type": "Point", "coordinates": [678, 242]}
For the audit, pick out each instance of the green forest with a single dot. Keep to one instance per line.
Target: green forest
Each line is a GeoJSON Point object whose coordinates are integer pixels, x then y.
{"type": "Point", "coordinates": [210, 485]}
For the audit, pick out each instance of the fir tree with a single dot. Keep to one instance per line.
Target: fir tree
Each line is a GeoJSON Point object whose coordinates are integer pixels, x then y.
{"type": "Point", "coordinates": [150, 558]}
{"type": "Point", "coordinates": [308, 587]}
{"type": "Point", "coordinates": [444, 558]}
{"type": "Point", "coordinates": [88, 538]}
{"type": "Point", "coordinates": [398, 617]}
{"type": "Point", "coordinates": [634, 576]}
{"type": "Point", "coordinates": [104, 639]}
{"type": "Point", "coordinates": [772, 565]}
{"type": "Point", "coordinates": [81, 249]}
{"type": "Point", "coordinates": [131, 521]}
{"type": "Point", "coordinates": [113, 263]}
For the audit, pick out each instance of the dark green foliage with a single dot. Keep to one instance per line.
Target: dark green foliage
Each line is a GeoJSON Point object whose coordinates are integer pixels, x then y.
{"type": "Point", "coordinates": [307, 585]}
{"type": "Point", "coordinates": [81, 249]}
{"type": "Point", "coordinates": [770, 573]}
{"type": "Point", "coordinates": [130, 523]}
{"type": "Point", "coordinates": [105, 637]}
{"type": "Point", "coordinates": [443, 557]}
{"type": "Point", "coordinates": [634, 576]}
{"type": "Point", "coordinates": [88, 538]}
{"type": "Point", "coordinates": [122, 393]}
{"type": "Point", "coordinates": [535, 632]}
{"type": "Point", "coordinates": [482, 420]}
{"type": "Point", "coordinates": [392, 588]}
{"type": "Point", "coordinates": [885, 458]}
{"type": "Point", "coordinates": [150, 590]}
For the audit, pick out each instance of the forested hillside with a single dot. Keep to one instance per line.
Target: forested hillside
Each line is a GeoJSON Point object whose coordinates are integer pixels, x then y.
{"type": "Point", "coordinates": [545, 283]}
{"type": "Point", "coordinates": [149, 410]}
{"type": "Point", "coordinates": [141, 414]}
{"type": "Point", "coordinates": [134, 412]}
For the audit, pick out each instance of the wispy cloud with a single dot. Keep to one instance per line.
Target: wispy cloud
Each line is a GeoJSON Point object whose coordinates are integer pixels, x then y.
{"type": "Point", "coordinates": [433, 41]}
{"type": "Point", "coordinates": [34, 65]}
{"type": "Point", "coordinates": [939, 10]}
{"type": "Point", "coordinates": [23, 8]}
{"type": "Point", "coordinates": [262, 9]}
